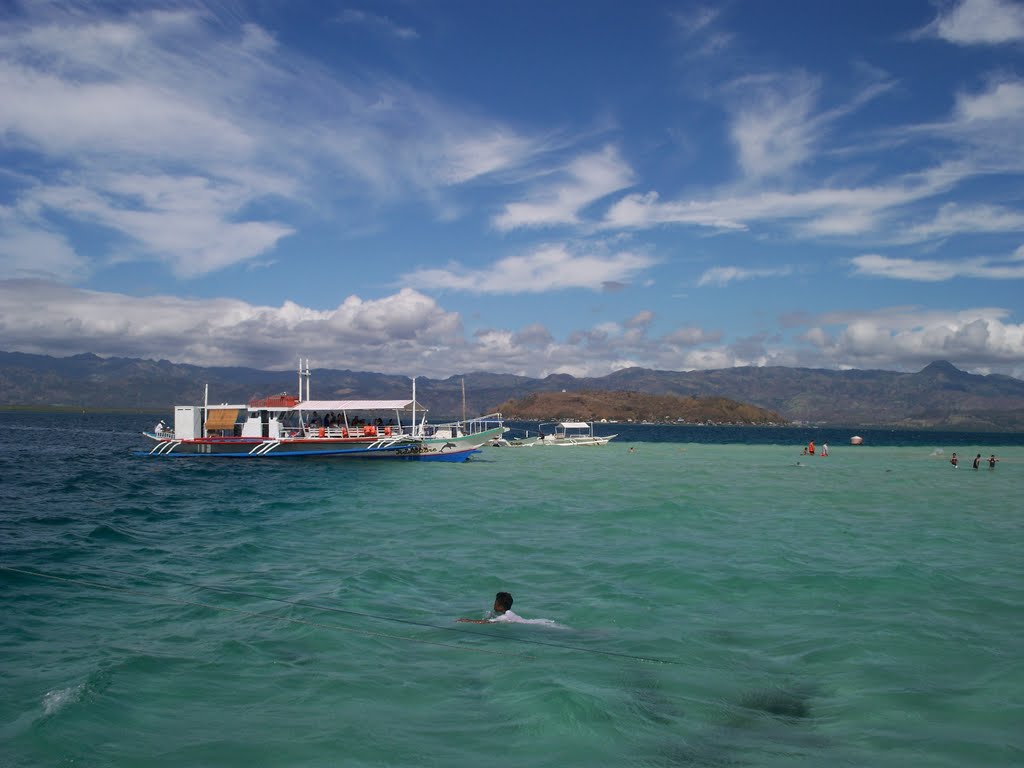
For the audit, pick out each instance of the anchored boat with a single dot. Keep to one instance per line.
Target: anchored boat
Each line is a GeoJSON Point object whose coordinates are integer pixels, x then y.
{"type": "Point", "coordinates": [289, 426]}
{"type": "Point", "coordinates": [570, 433]}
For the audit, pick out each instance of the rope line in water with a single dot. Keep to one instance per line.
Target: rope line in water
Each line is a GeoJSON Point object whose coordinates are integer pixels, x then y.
{"type": "Point", "coordinates": [334, 609]}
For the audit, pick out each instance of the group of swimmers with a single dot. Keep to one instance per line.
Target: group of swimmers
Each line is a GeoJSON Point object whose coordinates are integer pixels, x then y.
{"type": "Point", "coordinates": [977, 461]}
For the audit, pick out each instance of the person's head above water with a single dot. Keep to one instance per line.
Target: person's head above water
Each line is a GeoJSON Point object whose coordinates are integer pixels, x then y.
{"type": "Point", "coordinates": [502, 602]}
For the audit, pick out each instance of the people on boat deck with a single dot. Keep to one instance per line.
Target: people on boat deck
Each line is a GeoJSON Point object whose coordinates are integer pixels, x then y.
{"type": "Point", "coordinates": [954, 460]}
{"type": "Point", "coordinates": [977, 461]}
{"type": "Point", "coordinates": [502, 611]}
{"type": "Point", "coordinates": [160, 427]}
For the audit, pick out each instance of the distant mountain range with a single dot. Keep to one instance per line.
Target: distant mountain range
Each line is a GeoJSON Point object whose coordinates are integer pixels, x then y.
{"type": "Point", "coordinates": [940, 395]}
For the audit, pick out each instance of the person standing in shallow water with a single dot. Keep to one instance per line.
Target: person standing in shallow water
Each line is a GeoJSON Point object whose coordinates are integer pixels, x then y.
{"type": "Point", "coordinates": [502, 611]}
{"type": "Point", "coordinates": [954, 461]}
{"type": "Point", "coordinates": [992, 461]}
{"type": "Point", "coordinates": [977, 461]}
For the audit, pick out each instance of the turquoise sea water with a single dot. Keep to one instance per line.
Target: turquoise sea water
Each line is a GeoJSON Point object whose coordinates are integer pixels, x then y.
{"type": "Point", "coordinates": [720, 604]}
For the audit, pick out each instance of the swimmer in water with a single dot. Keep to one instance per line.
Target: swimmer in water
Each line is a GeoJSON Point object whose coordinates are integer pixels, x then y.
{"type": "Point", "coordinates": [502, 611]}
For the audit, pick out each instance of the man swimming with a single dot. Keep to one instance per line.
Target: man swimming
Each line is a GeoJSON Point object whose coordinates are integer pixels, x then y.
{"type": "Point", "coordinates": [502, 611]}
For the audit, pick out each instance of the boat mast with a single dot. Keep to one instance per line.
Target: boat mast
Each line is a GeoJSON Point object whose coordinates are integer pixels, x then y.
{"type": "Point", "coordinates": [304, 374]}
{"type": "Point", "coordinates": [414, 406]}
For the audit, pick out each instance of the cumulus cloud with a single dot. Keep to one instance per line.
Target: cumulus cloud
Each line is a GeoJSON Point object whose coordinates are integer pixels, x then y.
{"type": "Point", "coordinates": [975, 336]}
{"type": "Point", "coordinates": [395, 333]}
{"type": "Point", "coordinates": [549, 268]}
{"type": "Point", "coordinates": [410, 333]}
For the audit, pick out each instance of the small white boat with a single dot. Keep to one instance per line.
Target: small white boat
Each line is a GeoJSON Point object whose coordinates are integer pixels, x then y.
{"type": "Point", "coordinates": [570, 433]}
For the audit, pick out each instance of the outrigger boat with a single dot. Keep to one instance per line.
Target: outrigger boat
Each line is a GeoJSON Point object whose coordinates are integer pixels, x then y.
{"type": "Point", "coordinates": [570, 433]}
{"type": "Point", "coordinates": [288, 426]}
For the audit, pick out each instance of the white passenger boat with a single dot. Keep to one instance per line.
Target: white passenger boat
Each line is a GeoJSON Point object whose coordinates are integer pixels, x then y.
{"type": "Point", "coordinates": [570, 433]}
{"type": "Point", "coordinates": [289, 426]}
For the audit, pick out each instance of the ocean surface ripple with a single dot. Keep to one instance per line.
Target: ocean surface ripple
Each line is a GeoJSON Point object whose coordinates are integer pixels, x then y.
{"type": "Point", "coordinates": [716, 599]}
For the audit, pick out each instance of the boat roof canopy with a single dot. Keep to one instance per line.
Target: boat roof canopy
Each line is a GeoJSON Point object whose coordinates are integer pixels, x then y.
{"type": "Point", "coordinates": [574, 425]}
{"type": "Point", "coordinates": [355, 405]}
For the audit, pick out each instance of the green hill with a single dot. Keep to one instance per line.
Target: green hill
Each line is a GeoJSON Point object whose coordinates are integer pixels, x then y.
{"type": "Point", "coordinates": [637, 407]}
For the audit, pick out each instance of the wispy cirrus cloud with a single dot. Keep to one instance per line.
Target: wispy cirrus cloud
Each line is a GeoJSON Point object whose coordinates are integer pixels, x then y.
{"type": "Point", "coordinates": [191, 104]}
{"type": "Point", "coordinates": [553, 267]}
{"type": "Point", "coordinates": [724, 275]}
{"type": "Point", "coordinates": [375, 21]}
{"type": "Point", "coordinates": [567, 191]}
{"type": "Point", "coordinates": [821, 211]}
{"type": "Point", "coordinates": [774, 125]}
{"type": "Point", "coordinates": [954, 218]}
{"type": "Point", "coordinates": [933, 270]}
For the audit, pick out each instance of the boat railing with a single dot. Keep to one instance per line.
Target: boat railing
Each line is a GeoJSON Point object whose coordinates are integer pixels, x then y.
{"type": "Point", "coordinates": [365, 430]}
{"type": "Point", "coordinates": [468, 427]}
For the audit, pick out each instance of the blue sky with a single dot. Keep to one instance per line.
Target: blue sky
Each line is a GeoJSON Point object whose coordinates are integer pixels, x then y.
{"type": "Point", "coordinates": [433, 187]}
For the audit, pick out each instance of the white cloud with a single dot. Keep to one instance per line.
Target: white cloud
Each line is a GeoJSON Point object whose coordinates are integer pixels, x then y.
{"type": "Point", "coordinates": [774, 126]}
{"type": "Point", "coordinates": [409, 333]}
{"type": "Point", "coordinates": [393, 334]}
{"type": "Point", "coordinates": [28, 250]}
{"type": "Point", "coordinates": [582, 182]}
{"type": "Point", "coordinates": [969, 336]}
{"type": "Point", "coordinates": [186, 221]}
{"type": "Point", "coordinates": [825, 211]}
{"type": "Point", "coordinates": [700, 33]}
{"type": "Point", "coordinates": [980, 22]}
{"type": "Point", "coordinates": [1002, 101]}
{"type": "Point", "coordinates": [549, 268]}
{"type": "Point", "coordinates": [185, 101]}
{"type": "Point", "coordinates": [931, 270]}
{"type": "Point", "coordinates": [726, 275]}
{"type": "Point", "coordinates": [954, 219]}
{"type": "Point", "coordinates": [351, 16]}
